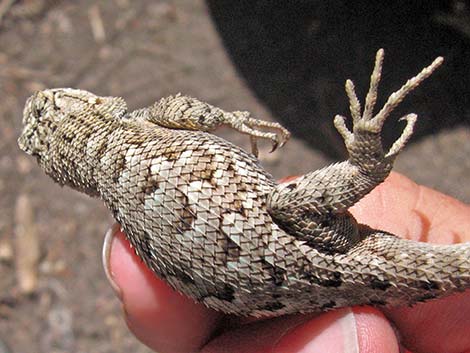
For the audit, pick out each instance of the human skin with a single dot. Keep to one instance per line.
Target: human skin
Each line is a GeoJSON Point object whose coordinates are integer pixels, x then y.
{"type": "Point", "coordinates": [169, 322]}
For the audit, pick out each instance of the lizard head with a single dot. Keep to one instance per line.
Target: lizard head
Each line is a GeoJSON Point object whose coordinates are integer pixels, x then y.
{"type": "Point", "coordinates": [58, 125]}
{"type": "Point", "coordinates": [43, 113]}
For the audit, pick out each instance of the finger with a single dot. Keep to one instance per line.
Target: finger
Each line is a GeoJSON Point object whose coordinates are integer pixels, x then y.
{"type": "Point", "coordinates": [416, 212]}
{"type": "Point", "coordinates": [163, 319]}
{"type": "Point", "coordinates": [356, 330]}
{"type": "Point", "coordinates": [436, 326]}
{"type": "Point", "coordinates": [413, 211]}
{"type": "Point", "coordinates": [126, 270]}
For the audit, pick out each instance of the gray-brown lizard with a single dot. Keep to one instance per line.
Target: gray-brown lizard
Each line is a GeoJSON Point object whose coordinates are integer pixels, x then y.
{"type": "Point", "coordinates": [204, 215]}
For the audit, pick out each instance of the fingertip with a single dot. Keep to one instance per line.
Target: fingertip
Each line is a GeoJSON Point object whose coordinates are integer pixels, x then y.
{"type": "Point", "coordinates": [374, 331]}
{"type": "Point", "coordinates": [385, 206]}
{"type": "Point", "coordinates": [413, 211]}
{"type": "Point", "coordinates": [435, 326]}
{"type": "Point", "coordinates": [360, 329]}
{"type": "Point", "coordinates": [106, 257]}
{"type": "Point", "coordinates": [160, 317]}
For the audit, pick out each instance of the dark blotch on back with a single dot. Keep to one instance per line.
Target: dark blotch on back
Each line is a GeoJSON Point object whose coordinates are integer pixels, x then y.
{"type": "Point", "coordinates": [425, 297]}
{"type": "Point", "coordinates": [68, 136]}
{"type": "Point", "coordinates": [380, 284]}
{"type": "Point", "coordinates": [277, 274]}
{"type": "Point", "coordinates": [291, 186]}
{"type": "Point", "coordinates": [429, 285]}
{"type": "Point", "coordinates": [101, 150]}
{"type": "Point", "coordinates": [119, 166]}
{"type": "Point", "coordinates": [226, 293]}
{"type": "Point", "coordinates": [186, 217]}
{"type": "Point", "coordinates": [329, 305]}
{"type": "Point", "coordinates": [274, 306]}
{"type": "Point", "coordinates": [377, 302]}
{"type": "Point", "coordinates": [183, 277]}
{"type": "Point", "coordinates": [171, 155]}
{"type": "Point", "coordinates": [238, 207]}
{"type": "Point", "coordinates": [325, 223]}
{"type": "Point", "coordinates": [150, 186]}
{"type": "Point", "coordinates": [334, 281]}
{"type": "Point", "coordinates": [231, 251]}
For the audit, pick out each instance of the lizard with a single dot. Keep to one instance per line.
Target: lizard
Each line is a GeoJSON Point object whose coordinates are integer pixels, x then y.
{"type": "Point", "coordinates": [205, 216]}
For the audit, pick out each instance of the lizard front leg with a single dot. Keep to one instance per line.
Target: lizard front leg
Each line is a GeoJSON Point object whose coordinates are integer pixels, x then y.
{"type": "Point", "coordinates": [184, 112]}
{"type": "Point", "coordinates": [314, 207]}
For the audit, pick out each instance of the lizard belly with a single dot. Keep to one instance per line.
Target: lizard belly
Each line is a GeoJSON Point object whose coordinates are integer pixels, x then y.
{"type": "Point", "coordinates": [196, 214]}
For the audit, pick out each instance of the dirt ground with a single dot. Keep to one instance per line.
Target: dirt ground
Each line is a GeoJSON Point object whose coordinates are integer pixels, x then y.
{"type": "Point", "coordinates": [140, 50]}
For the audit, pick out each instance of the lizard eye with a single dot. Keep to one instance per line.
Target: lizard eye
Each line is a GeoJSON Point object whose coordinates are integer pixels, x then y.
{"type": "Point", "coordinates": [39, 103]}
{"type": "Point", "coordinates": [34, 137]}
{"type": "Point", "coordinates": [37, 112]}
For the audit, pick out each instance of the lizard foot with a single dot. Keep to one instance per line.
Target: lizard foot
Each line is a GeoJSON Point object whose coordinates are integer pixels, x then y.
{"type": "Point", "coordinates": [366, 125]}
{"type": "Point", "coordinates": [247, 125]}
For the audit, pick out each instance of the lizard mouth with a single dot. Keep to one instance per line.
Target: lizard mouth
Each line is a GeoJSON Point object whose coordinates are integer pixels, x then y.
{"type": "Point", "coordinates": [22, 144]}
{"type": "Point", "coordinates": [35, 128]}
{"type": "Point", "coordinates": [29, 126]}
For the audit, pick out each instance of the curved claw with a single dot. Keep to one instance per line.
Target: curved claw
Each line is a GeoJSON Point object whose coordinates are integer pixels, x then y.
{"type": "Point", "coordinates": [275, 144]}
{"type": "Point", "coordinates": [285, 136]}
{"type": "Point", "coordinates": [274, 139]}
{"type": "Point", "coordinates": [400, 143]}
{"type": "Point", "coordinates": [249, 126]}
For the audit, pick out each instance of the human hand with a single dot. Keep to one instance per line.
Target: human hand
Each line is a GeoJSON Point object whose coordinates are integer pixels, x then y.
{"type": "Point", "coordinates": [168, 322]}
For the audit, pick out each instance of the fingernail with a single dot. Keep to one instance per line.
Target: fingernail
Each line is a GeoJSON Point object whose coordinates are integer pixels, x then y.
{"type": "Point", "coordinates": [106, 257]}
{"type": "Point", "coordinates": [332, 332]}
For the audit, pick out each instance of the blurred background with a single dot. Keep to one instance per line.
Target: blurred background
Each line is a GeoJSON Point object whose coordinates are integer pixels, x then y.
{"type": "Point", "coordinates": [284, 61]}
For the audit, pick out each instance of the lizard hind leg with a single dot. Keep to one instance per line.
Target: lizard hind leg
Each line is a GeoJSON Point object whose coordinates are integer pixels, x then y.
{"type": "Point", "coordinates": [329, 234]}
{"type": "Point", "coordinates": [315, 205]}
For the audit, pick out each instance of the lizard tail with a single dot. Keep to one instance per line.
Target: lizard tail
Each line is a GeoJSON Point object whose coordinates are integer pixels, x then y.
{"type": "Point", "coordinates": [396, 270]}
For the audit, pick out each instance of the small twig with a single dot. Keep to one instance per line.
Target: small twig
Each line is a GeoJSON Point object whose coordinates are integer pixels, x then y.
{"type": "Point", "coordinates": [26, 246]}
{"type": "Point", "coordinates": [96, 22]}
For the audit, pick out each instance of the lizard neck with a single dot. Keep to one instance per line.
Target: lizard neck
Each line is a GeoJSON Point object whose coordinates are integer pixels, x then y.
{"type": "Point", "coordinates": [74, 153]}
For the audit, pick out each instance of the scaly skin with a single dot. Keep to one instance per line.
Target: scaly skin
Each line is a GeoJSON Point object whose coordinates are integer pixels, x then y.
{"type": "Point", "coordinates": [204, 215]}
